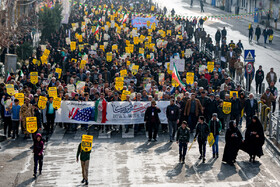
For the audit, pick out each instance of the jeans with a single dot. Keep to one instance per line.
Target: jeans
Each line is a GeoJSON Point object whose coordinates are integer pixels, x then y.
{"type": "Point", "coordinates": [15, 125]}
{"type": "Point", "coordinates": [50, 123]}
{"type": "Point", "coordinates": [259, 87]}
{"type": "Point", "coordinates": [7, 125]}
{"type": "Point", "coordinates": [183, 149]}
{"type": "Point", "coordinates": [172, 129]}
{"type": "Point", "coordinates": [192, 121]}
{"type": "Point", "coordinates": [202, 148]}
{"type": "Point", "coordinates": [37, 159]}
{"type": "Point", "coordinates": [85, 165]}
{"type": "Point", "coordinates": [215, 146]}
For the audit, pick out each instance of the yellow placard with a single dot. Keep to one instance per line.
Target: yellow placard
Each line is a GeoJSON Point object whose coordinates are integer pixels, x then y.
{"type": "Point", "coordinates": [56, 102]}
{"type": "Point", "coordinates": [119, 83]}
{"type": "Point", "coordinates": [86, 143]}
{"type": "Point", "coordinates": [174, 83]}
{"type": "Point", "coordinates": [31, 124]}
{"type": "Point", "coordinates": [227, 107]}
{"type": "Point", "coordinates": [123, 73]}
{"type": "Point", "coordinates": [150, 31]}
{"type": "Point", "coordinates": [141, 50]}
{"type": "Point", "coordinates": [83, 64]}
{"type": "Point", "coordinates": [149, 39]}
{"type": "Point", "coordinates": [148, 23]}
{"type": "Point", "coordinates": [232, 92]}
{"type": "Point", "coordinates": [42, 102]}
{"type": "Point", "coordinates": [152, 8]}
{"type": "Point", "coordinates": [81, 47]}
{"type": "Point", "coordinates": [58, 71]}
{"type": "Point", "coordinates": [210, 66]}
{"type": "Point", "coordinates": [10, 89]}
{"type": "Point", "coordinates": [168, 68]}
{"type": "Point", "coordinates": [52, 92]}
{"type": "Point", "coordinates": [190, 78]}
{"type": "Point", "coordinates": [80, 38]}
{"type": "Point", "coordinates": [46, 52]}
{"type": "Point", "coordinates": [128, 63]}
{"type": "Point", "coordinates": [73, 46]}
{"type": "Point", "coordinates": [134, 69]}
{"type": "Point", "coordinates": [44, 59]}
{"type": "Point", "coordinates": [109, 57]}
{"type": "Point", "coordinates": [168, 32]}
{"type": "Point", "coordinates": [211, 139]}
{"type": "Point", "coordinates": [127, 50]}
{"type": "Point", "coordinates": [115, 47]}
{"type": "Point", "coordinates": [101, 47]}
{"type": "Point", "coordinates": [20, 97]}
{"type": "Point", "coordinates": [34, 77]}
{"type": "Point", "coordinates": [136, 40]}
{"type": "Point", "coordinates": [124, 94]}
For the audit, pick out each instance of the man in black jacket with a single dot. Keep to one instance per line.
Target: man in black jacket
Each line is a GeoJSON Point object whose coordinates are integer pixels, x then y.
{"type": "Point", "coordinates": [173, 116]}
{"type": "Point", "coordinates": [202, 131]}
{"type": "Point", "coordinates": [152, 120]}
{"type": "Point", "coordinates": [183, 138]}
{"type": "Point", "coordinates": [210, 107]}
{"type": "Point", "coordinates": [251, 108]}
{"type": "Point", "coordinates": [259, 79]}
{"type": "Point", "coordinates": [235, 108]}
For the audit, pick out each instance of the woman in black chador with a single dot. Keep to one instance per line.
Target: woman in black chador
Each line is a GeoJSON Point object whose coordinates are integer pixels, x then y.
{"type": "Point", "coordinates": [254, 139]}
{"type": "Point", "coordinates": [233, 142]}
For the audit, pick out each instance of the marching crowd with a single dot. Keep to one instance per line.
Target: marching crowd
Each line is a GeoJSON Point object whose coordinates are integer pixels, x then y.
{"type": "Point", "coordinates": [102, 27]}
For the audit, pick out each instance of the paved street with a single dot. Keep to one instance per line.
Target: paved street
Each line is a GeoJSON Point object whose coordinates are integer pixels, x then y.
{"type": "Point", "coordinates": [131, 162]}
{"type": "Point", "coordinates": [237, 29]}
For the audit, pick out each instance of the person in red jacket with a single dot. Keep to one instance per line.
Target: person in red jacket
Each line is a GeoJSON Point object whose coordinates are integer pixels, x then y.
{"type": "Point", "coordinates": [38, 149]}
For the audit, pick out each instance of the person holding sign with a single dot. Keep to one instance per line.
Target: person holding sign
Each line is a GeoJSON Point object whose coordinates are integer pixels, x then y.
{"type": "Point", "coordinates": [202, 132]}
{"type": "Point", "coordinates": [38, 148]}
{"type": "Point", "coordinates": [26, 110]}
{"type": "Point", "coordinates": [233, 141]}
{"type": "Point", "coordinates": [215, 127]}
{"type": "Point", "coordinates": [84, 157]}
{"type": "Point", "coordinates": [183, 138]}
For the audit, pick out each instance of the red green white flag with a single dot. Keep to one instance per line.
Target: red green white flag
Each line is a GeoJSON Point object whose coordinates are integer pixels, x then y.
{"type": "Point", "coordinates": [176, 77]}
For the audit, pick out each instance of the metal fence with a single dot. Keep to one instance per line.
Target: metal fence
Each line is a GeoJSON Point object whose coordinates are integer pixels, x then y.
{"type": "Point", "coordinates": [270, 121]}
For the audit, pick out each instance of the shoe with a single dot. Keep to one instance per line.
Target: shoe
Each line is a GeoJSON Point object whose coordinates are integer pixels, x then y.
{"type": "Point", "coordinates": [40, 172]}
{"type": "Point", "coordinates": [149, 140]}
{"type": "Point", "coordinates": [180, 158]}
{"type": "Point", "coordinates": [170, 141]}
{"type": "Point", "coordinates": [83, 181]}
{"type": "Point", "coordinates": [214, 155]}
{"type": "Point", "coordinates": [155, 140]}
{"type": "Point", "coordinates": [34, 175]}
{"type": "Point", "coordinates": [200, 157]}
{"type": "Point", "coordinates": [230, 163]}
{"type": "Point", "coordinates": [217, 155]}
{"type": "Point", "coordinates": [203, 161]}
{"type": "Point", "coordinates": [183, 161]}
{"type": "Point", "coordinates": [86, 182]}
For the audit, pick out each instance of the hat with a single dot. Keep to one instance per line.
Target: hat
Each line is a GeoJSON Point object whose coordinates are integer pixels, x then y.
{"type": "Point", "coordinates": [211, 94]}
{"type": "Point", "coordinates": [214, 114]}
{"type": "Point", "coordinates": [217, 95]}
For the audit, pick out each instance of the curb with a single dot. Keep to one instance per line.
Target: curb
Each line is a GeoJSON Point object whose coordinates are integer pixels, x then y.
{"type": "Point", "coordinates": [274, 150]}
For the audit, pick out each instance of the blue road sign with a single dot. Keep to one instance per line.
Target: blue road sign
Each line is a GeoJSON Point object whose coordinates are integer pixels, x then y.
{"type": "Point", "coordinates": [249, 55]}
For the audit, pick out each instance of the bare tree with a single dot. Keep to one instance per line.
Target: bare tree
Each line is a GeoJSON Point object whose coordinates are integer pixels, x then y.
{"type": "Point", "coordinates": [13, 27]}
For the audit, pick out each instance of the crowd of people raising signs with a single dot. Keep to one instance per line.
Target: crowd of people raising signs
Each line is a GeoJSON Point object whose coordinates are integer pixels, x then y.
{"type": "Point", "coordinates": [101, 55]}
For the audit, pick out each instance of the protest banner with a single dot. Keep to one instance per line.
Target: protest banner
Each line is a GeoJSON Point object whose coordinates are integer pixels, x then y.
{"type": "Point", "coordinates": [56, 102]}
{"type": "Point", "coordinates": [179, 63]}
{"type": "Point", "coordinates": [86, 143]}
{"type": "Point", "coordinates": [119, 83]}
{"type": "Point", "coordinates": [31, 124]}
{"type": "Point", "coordinates": [52, 92]}
{"type": "Point", "coordinates": [20, 97]}
{"type": "Point", "coordinates": [42, 102]}
{"type": "Point", "coordinates": [139, 22]}
{"type": "Point", "coordinates": [227, 107]}
{"type": "Point", "coordinates": [34, 77]}
{"type": "Point", "coordinates": [190, 78]}
{"type": "Point", "coordinates": [210, 66]}
{"type": "Point", "coordinates": [10, 89]}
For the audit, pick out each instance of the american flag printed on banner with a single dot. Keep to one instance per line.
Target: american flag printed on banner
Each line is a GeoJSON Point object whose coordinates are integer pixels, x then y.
{"type": "Point", "coordinates": [83, 115]}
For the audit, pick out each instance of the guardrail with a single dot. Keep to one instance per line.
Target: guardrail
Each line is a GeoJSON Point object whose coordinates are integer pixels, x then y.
{"type": "Point", "coordinates": [270, 121]}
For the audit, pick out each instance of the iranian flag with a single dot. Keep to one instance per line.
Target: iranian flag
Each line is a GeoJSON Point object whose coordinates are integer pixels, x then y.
{"type": "Point", "coordinates": [124, 18]}
{"type": "Point", "coordinates": [96, 30]}
{"type": "Point", "coordinates": [100, 19]}
{"type": "Point", "coordinates": [100, 111]}
{"type": "Point", "coordinates": [9, 77]}
{"type": "Point", "coordinates": [176, 77]}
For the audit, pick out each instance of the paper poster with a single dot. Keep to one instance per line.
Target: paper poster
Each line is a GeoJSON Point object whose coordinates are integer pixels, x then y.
{"type": "Point", "coordinates": [31, 124]}
{"type": "Point", "coordinates": [34, 77]}
{"type": "Point", "coordinates": [42, 102]}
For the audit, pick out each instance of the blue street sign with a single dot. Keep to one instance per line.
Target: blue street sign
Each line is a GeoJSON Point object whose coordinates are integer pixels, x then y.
{"type": "Point", "coordinates": [249, 55]}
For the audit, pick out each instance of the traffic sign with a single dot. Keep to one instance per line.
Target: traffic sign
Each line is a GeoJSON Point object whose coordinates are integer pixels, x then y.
{"type": "Point", "coordinates": [249, 55]}
{"type": "Point", "coordinates": [249, 67]}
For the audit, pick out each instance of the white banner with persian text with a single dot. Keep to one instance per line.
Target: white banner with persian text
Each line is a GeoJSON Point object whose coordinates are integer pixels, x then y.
{"type": "Point", "coordinates": [117, 113]}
